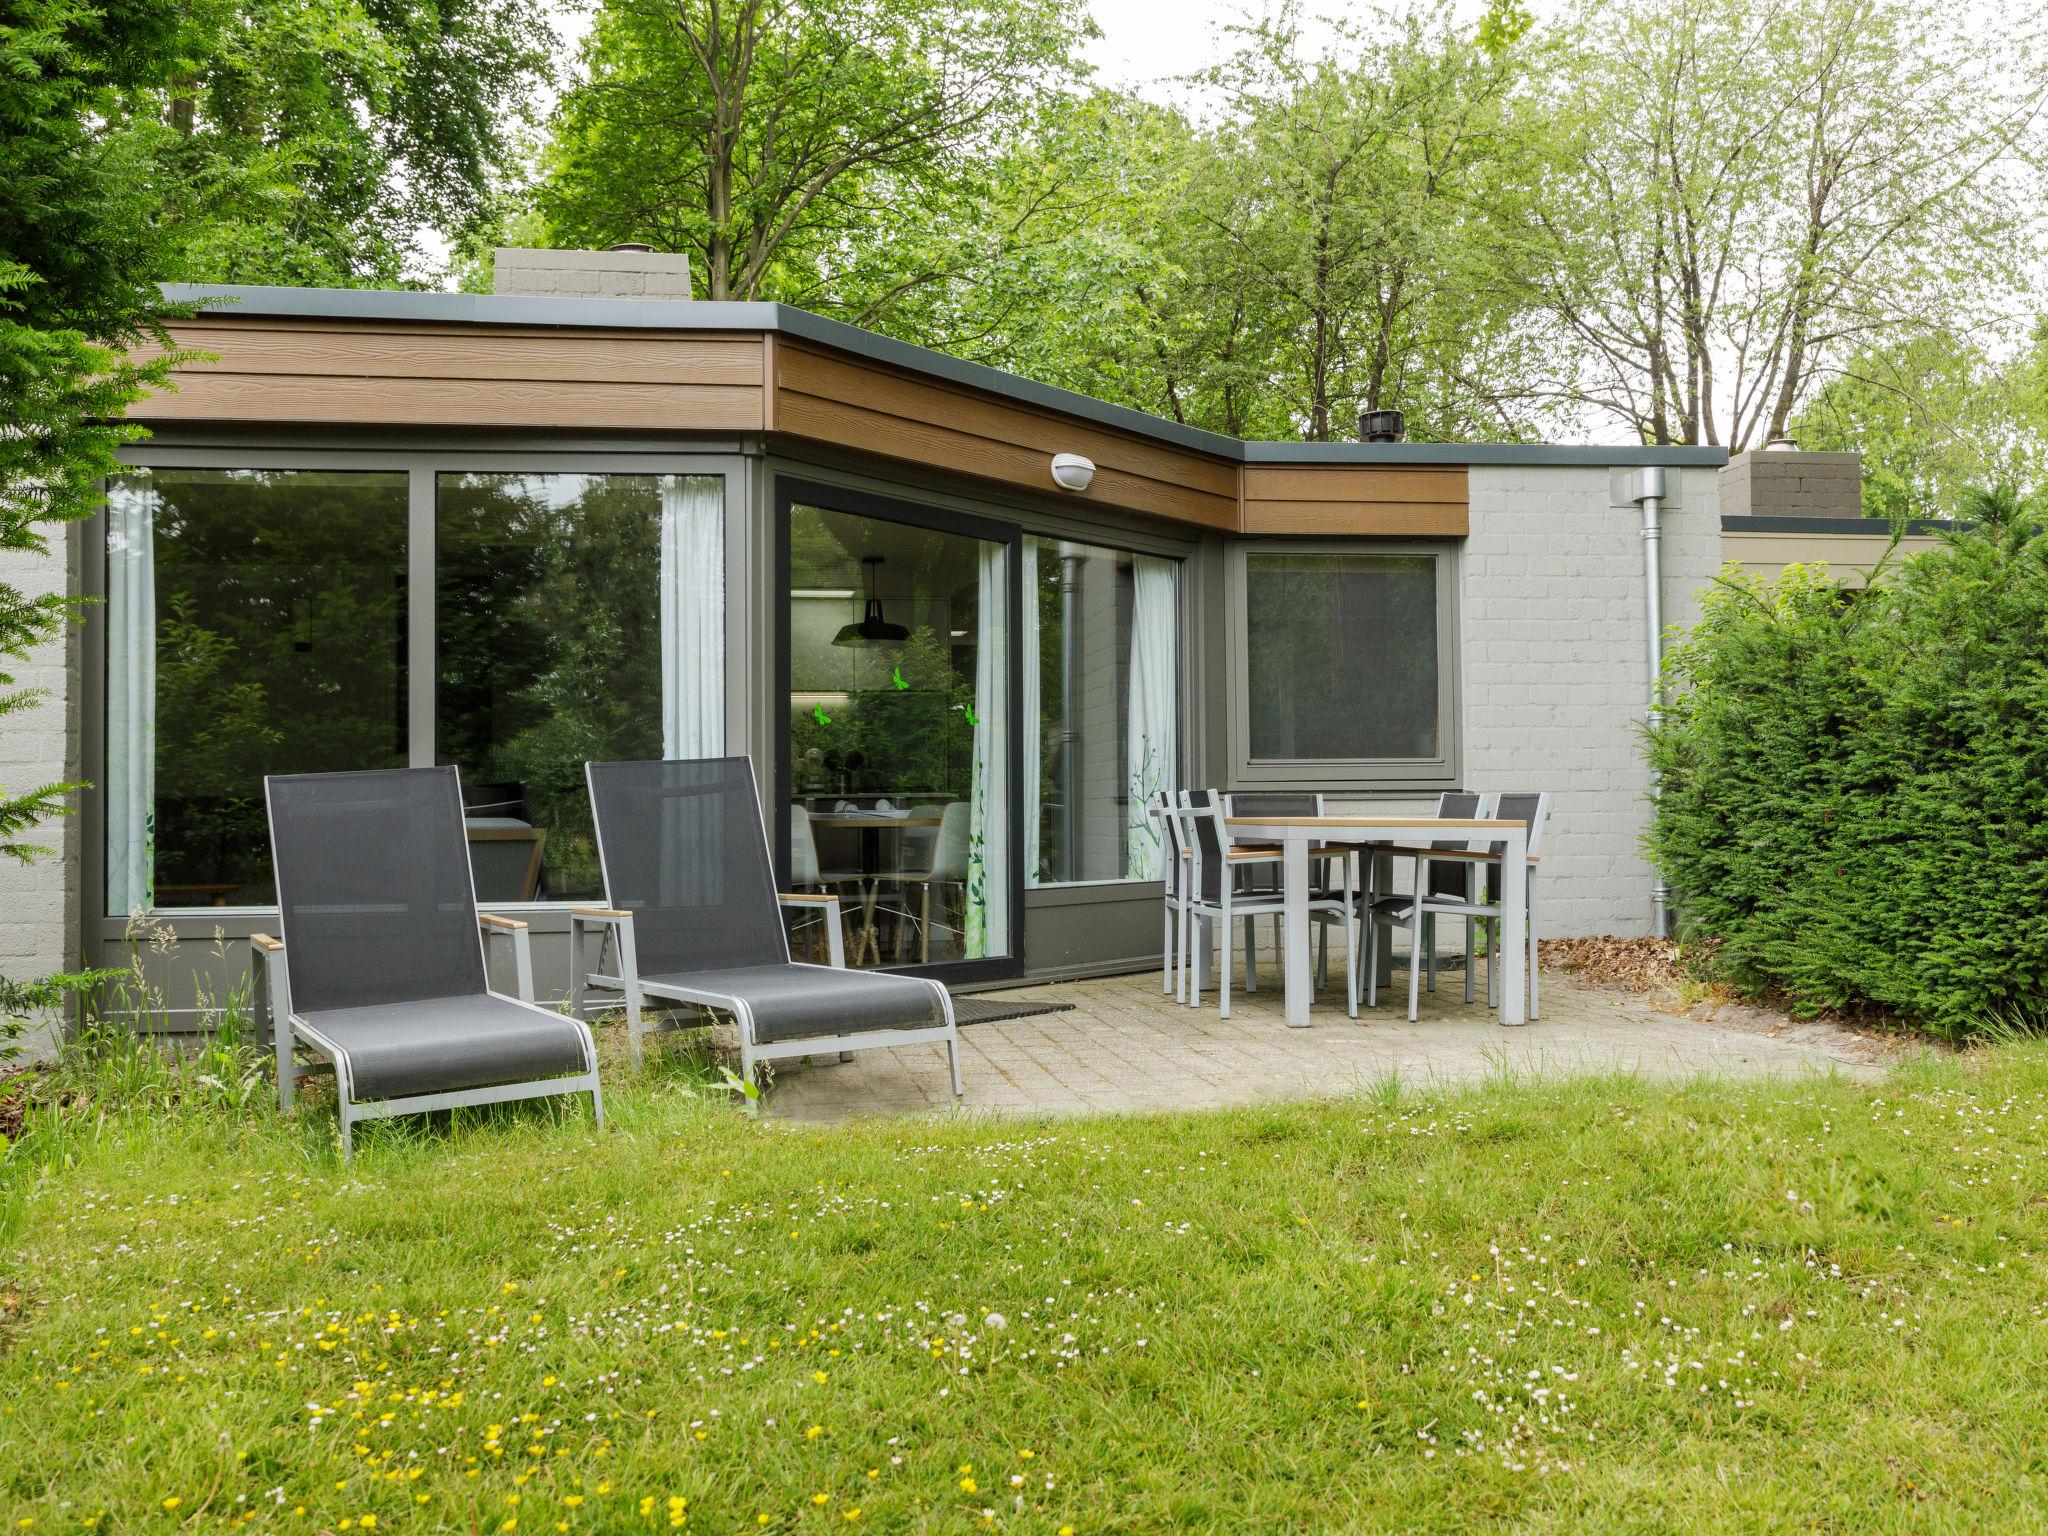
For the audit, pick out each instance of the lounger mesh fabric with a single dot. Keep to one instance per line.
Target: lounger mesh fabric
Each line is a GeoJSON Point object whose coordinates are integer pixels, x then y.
{"type": "Point", "coordinates": [381, 942]}
{"type": "Point", "coordinates": [373, 888]}
{"type": "Point", "coordinates": [683, 852]}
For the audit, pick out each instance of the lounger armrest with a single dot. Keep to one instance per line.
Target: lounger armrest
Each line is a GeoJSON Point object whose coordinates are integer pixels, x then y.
{"type": "Point", "coordinates": [600, 915]}
{"type": "Point", "coordinates": [835, 935]}
{"type": "Point", "coordinates": [270, 1000]}
{"type": "Point", "coordinates": [522, 948]}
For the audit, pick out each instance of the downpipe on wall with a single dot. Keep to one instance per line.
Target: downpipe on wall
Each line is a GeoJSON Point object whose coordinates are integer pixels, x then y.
{"type": "Point", "coordinates": [1646, 489]}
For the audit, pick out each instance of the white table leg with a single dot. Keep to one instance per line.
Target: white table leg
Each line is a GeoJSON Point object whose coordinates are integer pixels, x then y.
{"type": "Point", "coordinates": [1294, 899]}
{"type": "Point", "coordinates": [1514, 939]}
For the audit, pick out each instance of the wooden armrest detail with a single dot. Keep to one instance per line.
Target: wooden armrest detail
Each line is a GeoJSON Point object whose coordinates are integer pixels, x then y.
{"type": "Point", "coordinates": [1260, 852]}
{"type": "Point", "coordinates": [264, 941]}
{"type": "Point", "coordinates": [502, 924]}
{"type": "Point", "coordinates": [813, 898]}
{"type": "Point", "coordinates": [605, 914]}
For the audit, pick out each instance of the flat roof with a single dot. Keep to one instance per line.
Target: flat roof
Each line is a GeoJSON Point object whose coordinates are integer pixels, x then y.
{"type": "Point", "coordinates": [437, 308]}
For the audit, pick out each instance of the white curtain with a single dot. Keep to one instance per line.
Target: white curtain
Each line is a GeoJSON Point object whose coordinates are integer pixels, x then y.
{"type": "Point", "coordinates": [1032, 724]}
{"type": "Point", "coordinates": [1151, 759]}
{"type": "Point", "coordinates": [131, 697]}
{"type": "Point", "coordinates": [692, 615]}
{"type": "Point", "coordinates": [988, 880]}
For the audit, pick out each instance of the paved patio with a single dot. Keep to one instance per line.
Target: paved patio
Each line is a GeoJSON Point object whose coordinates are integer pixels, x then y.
{"type": "Point", "coordinates": [1125, 1047]}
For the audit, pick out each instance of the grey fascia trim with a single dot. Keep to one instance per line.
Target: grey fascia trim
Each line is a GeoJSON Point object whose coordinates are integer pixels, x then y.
{"type": "Point", "coordinates": [435, 308]}
{"type": "Point", "coordinates": [1864, 526]}
{"type": "Point", "coordinates": [1559, 454]}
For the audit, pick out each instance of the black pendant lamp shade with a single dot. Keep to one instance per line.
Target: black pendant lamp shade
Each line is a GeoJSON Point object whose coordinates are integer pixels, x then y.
{"type": "Point", "coordinates": [872, 629]}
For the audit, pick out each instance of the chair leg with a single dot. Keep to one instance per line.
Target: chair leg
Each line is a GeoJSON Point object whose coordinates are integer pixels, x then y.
{"type": "Point", "coordinates": [1166, 948]}
{"type": "Point", "coordinates": [1323, 956]}
{"type": "Point", "coordinates": [924, 921]}
{"type": "Point", "coordinates": [1414, 959]}
{"type": "Point", "coordinates": [953, 1060]}
{"type": "Point", "coordinates": [1529, 916]}
{"type": "Point", "coordinates": [1429, 946]}
{"type": "Point", "coordinates": [1471, 959]}
{"type": "Point", "coordinates": [1223, 963]}
{"type": "Point", "coordinates": [597, 1106]}
{"type": "Point", "coordinates": [1251, 955]}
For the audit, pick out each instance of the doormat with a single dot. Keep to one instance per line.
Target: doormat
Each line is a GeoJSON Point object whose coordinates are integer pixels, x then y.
{"type": "Point", "coordinates": [987, 1010]}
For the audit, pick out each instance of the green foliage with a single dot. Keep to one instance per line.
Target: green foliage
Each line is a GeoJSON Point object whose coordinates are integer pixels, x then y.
{"type": "Point", "coordinates": [1851, 800]}
{"type": "Point", "coordinates": [79, 247]}
{"type": "Point", "coordinates": [314, 141]}
{"type": "Point", "coordinates": [1933, 416]}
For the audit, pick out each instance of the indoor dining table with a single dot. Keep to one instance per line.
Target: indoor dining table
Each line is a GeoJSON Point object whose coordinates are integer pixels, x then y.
{"type": "Point", "coordinates": [1294, 834]}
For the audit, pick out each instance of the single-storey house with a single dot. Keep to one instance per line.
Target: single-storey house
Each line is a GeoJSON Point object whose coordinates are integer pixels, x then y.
{"type": "Point", "coordinates": [964, 623]}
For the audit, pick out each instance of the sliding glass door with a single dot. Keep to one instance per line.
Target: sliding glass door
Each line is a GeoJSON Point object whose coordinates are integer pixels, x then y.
{"type": "Point", "coordinates": [898, 765]}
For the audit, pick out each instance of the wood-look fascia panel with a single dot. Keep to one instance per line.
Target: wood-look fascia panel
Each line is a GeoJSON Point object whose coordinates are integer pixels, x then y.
{"type": "Point", "coordinates": [1341, 500]}
{"type": "Point", "coordinates": [854, 404]}
{"type": "Point", "coordinates": [214, 395]}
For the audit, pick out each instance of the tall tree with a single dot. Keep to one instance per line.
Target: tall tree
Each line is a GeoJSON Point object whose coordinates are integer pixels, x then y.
{"type": "Point", "coordinates": [1757, 188]}
{"type": "Point", "coordinates": [316, 141]}
{"type": "Point", "coordinates": [784, 144]}
{"type": "Point", "coordinates": [1935, 417]}
{"type": "Point", "coordinates": [1362, 200]}
{"type": "Point", "coordinates": [80, 246]}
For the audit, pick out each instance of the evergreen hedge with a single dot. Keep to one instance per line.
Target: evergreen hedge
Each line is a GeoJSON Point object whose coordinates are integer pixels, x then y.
{"type": "Point", "coordinates": [1855, 781]}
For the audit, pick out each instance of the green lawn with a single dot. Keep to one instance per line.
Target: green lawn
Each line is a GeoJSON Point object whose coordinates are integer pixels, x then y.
{"type": "Point", "coordinates": [1592, 1306]}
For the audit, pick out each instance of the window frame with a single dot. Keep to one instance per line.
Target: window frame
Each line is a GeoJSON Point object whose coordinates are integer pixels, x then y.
{"type": "Point", "coordinates": [1391, 775]}
{"type": "Point", "coordinates": [1181, 582]}
{"type": "Point", "coordinates": [422, 463]}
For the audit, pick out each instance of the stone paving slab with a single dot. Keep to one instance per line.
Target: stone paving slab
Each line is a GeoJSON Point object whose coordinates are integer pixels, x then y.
{"type": "Point", "coordinates": [1126, 1047]}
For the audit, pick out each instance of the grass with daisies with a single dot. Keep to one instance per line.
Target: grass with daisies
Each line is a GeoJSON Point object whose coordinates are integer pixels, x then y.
{"type": "Point", "coordinates": [1579, 1306]}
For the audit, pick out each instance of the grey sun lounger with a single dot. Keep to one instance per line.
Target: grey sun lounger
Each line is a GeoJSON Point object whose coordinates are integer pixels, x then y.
{"type": "Point", "coordinates": [381, 964]}
{"type": "Point", "coordinates": [692, 916]}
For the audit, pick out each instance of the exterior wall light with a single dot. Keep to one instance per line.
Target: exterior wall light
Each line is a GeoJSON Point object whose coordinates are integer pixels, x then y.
{"type": "Point", "coordinates": [1072, 472]}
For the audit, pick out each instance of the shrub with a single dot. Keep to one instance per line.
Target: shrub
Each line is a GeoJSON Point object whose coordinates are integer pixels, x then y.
{"type": "Point", "coordinates": [1855, 782]}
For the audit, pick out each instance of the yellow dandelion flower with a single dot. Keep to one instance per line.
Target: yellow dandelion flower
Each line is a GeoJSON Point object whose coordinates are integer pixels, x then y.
{"type": "Point", "coordinates": [819, 1377]}
{"type": "Point", "coordinates": [850, 1514]}
{"type": "Point", "coordinates": [647, 1505]}
{"type": "Point", "coordinates": [814, 1431]}
{"type": "Point", "coordinates": [368, 1522]}
{"type": "Point", "coordinates": [173, 1502]}
{"type": "Point", "coordinates": [821, 1498]}
{"type": "Point", "coordinates": [968, 1485]}
{"type": "Point", "coordinates": [573, 1500]}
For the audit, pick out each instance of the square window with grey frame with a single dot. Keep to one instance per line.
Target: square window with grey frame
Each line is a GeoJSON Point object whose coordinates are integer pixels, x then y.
{"type": "Point", "coordinates": [1343, 657]}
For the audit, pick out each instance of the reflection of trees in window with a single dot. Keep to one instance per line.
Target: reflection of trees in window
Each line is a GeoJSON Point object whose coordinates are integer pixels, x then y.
{"type": "Point", "coordinates": [883, 739]}
{"type": "Point", "coordinates": [1342, 656]}
{"type": "Point", "coordinates": [280, 648]}
{"type": "Point", "coordinates": [549, 648]}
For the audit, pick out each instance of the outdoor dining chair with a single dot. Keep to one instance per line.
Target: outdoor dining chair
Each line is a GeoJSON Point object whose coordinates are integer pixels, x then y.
{"type": "Point", "coordinates": [692, 916]}
{"type": "Point", "coordinates": [1263, 876]}
{"type": "Point", "coordinates": [1214, 896]}
{"type": "Point", "coordinates": [1175, 876]}
{"type": "Point", "coordinates": [380, 963]}
{"type": "Point", "coordinates": [1458, 877]}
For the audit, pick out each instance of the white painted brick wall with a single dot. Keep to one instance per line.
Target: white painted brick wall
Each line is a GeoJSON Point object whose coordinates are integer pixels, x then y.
{"type": "Point", "coordinates": [590, 274]}
{"type": "Point", "coordinates": [1554, 675]}
{"type": "Point", "coordinates": [38, 901]}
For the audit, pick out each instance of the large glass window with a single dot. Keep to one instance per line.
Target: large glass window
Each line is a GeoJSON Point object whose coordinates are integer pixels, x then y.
{"type": "Point", "coordinates": [1345, 660]}
{"type": "Point", "coordinates": [559, 601]}
{"type": "Point", "coordinates": [256, 624]}
{"type": "Point", "coordinates": [899, 713]}
{"type": "Point", "coordinates": [1101, 641]}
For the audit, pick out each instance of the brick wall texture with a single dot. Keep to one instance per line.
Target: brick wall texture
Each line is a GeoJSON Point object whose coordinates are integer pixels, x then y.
{"type": "Point", "coordinates": [591, 274]}
{"type": "Point", "coordinates": [1555, 676]}
{"type": "Point", "coordinates": [38, 901]}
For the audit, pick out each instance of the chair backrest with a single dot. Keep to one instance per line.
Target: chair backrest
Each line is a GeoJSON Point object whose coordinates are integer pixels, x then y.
{"type": "Point", "coordinates": [1533, 809]}
{"type": "Point", "coordinates": [1201, 813]}
{"type": "Point", "coordinates": [1275, 802]}
{"type": "Point", "coordinates": [1173, 870]}
{"type": "Point", "coordinates": [950, 845]}
{"type": "Point", "coordinates": [684, 850]}
{"type": "Point", "coordinates": [373, 888]}
{"type": "Point", "coordinates": [1447, 877]}
{"type": "Point", "coordinates": [803, 849]}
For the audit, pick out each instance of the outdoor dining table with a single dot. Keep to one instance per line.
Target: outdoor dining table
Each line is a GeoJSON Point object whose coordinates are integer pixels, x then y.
{"type": "Point", "coordinates": [1294, 834]}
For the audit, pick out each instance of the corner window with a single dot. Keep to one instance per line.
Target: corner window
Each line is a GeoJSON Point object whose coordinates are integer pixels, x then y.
{"type": "Point", "coordinates": [283, 620]}
{"type": "Point", "coordinates": [1102, 642]}
{"type": "Point", "coordinates": [256, 624]}
{"type": "Point", "coordinates": [1346, 673]}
